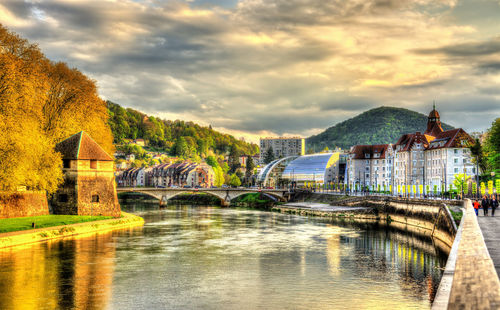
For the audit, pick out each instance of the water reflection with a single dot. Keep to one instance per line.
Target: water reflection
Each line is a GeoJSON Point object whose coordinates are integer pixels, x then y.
{"type": "Point", "coordinates": [212, 258]}
{"type": "Point", "coordinates": [73, 274]}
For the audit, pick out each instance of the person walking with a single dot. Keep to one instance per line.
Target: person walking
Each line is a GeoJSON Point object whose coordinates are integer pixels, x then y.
{"type": "Point", "coordinates": [494, 205]}
{"type": "Point", "coordinates": [484, 205]}
{"type": "Point", "coordinates": [476, 205]}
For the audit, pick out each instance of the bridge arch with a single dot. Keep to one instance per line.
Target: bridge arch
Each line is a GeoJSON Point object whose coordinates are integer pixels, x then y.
{"type": "Point", "coordinates": [270, 194]}
{"type": "Point", "coordinates": [193, 192]}
{"type": "Point", "coordinates": [146, 193]}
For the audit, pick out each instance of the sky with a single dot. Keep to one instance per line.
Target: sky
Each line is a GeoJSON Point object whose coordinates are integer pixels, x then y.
{"type": "Point", "coordinates": [277, 67]}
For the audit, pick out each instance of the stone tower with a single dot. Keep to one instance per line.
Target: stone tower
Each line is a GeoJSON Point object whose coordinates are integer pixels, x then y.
{"type": "Point", "coordinates": [89, 181]}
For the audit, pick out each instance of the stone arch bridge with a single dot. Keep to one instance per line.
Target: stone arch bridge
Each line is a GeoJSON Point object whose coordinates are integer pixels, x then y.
{"type": "Point", "coordinates": [224, 194]}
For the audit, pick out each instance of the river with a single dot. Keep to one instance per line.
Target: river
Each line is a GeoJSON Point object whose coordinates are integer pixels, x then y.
{"type": "Point", "coordinates": [207, 257]}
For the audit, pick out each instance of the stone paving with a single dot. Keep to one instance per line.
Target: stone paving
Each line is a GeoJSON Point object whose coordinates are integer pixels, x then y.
{"type": "Point", "coordinates": [490, 227]}
{"type": "Point", "coordinates": [475, 282]}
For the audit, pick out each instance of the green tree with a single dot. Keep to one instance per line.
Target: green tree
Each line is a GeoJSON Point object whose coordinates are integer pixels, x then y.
{"type": "Point", "coordinates": [234, 181]}
{"type": "Point", "coordinates": [249, 168]}
{"type": "Point", "coordinates": [461, 180]}
{"type": "Point", "coordinates": [269, 155]}
{"type": "Point", "coordinates": [234, 159]}
{"type": "Point", "coordinates": [492, 147]}
{"type": "Point", "coordinates": [478, 155]}
{"type": "Point", "coordinates": [181, 147]}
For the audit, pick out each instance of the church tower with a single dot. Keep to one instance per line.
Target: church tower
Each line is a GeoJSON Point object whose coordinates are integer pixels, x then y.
{"type": "Point", "coordinates": [434, 123]}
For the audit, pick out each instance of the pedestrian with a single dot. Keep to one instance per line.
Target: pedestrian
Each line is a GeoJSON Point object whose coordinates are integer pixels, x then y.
{"type": "Point", "coordinates": [494, 205]}
{"type": "Point", "coordinates": [484, 205]}
{"type": "Point", "coordinates": [476, 205]}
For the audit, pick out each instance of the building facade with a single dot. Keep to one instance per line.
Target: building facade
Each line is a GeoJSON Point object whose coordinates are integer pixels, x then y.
{"type": "Point", "coordinates": [282, 147]}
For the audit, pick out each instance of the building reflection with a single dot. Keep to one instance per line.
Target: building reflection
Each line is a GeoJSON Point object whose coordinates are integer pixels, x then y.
{"type": "Point", "coordinates": [384, 254]}
{"type": "Point", "coordinates": [69, 274]}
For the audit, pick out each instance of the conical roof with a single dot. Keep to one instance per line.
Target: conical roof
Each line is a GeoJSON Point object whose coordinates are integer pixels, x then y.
{"type": "Point", "coordinates": [82, 146]}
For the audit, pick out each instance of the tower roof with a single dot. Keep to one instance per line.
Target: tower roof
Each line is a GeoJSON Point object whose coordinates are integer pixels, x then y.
{"type": "Point", "coordinates": [82, 146]}
{"type": "Point", "coordinates": [434, 113]}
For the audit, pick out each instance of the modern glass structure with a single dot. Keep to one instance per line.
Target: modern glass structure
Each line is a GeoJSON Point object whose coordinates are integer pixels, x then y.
{"type": "Point", "coordinates": [316, 168]}
{"type": "Point", "coordinates": [272, 172]}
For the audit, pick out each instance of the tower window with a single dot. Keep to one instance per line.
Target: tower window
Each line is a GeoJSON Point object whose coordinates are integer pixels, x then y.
{"type": "Point", "coordinates": [95, 198]}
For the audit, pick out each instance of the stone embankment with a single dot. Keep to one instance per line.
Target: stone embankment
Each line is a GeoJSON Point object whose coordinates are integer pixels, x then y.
{"type": "Point", "coordinates": [425, 217]}
{"type": "Point", "coordinates": [26, 237]}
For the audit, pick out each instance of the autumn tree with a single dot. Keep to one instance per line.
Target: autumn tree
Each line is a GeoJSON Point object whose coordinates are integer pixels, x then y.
{"type": "Point", "coordinates": [42, 103]}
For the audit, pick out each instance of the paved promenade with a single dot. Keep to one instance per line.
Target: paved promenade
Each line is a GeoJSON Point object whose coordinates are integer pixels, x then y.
{"type": "Point", "coordinates": [490, 227]}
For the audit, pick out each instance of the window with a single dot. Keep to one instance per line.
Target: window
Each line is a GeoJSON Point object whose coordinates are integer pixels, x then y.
{"type": "Point", "coordinates": [63, 198]}
{"type": "Point", "coordinates": [455, 160]}
{"type": "Point", "coordinates": [93, 164]}
{"type": "Point", "coordinates": [455, 151]}
{"type": "Point", "coordinates": [456, 170]}
{"type": "Point", "coordinates": [95, 198]}
{"type": "Point", "coordinates": [66, 163]}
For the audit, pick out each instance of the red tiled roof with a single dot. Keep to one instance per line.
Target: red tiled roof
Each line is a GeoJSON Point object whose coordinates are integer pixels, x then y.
{"type": "Point", "coordinates": [82, 146]}
{"type": "Point", "coordinates": [360, 151]}
{"type": "Point", "coordinates": [452, 138]}
{"type": "Point", "coordinates": [408, 140]}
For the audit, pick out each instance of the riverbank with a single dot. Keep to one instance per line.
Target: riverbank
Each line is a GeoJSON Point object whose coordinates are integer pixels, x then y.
{"type": "Point", "coordinates": [12, 239]}
{"type": "Point", "coordinates": [426, 218]}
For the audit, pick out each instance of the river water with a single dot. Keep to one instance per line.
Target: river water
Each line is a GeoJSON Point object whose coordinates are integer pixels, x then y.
{"type": "Point", "coordinates": [205, 257]}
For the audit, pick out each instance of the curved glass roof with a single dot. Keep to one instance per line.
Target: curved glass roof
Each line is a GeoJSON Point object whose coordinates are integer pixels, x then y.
{"type": "Point", "coordinates": [266, 171]}
{"type": "Point", "coordinates": [310, 167]}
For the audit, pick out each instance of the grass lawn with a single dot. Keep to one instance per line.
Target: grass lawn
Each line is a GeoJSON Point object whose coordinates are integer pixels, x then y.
{"type": "Point", "coordinates": [24, 223]}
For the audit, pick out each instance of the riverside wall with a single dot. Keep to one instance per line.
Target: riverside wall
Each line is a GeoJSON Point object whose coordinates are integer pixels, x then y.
{"type": "Point", "coordinates": [23, 204]}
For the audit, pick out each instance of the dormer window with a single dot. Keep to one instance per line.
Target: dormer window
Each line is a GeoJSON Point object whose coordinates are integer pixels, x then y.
{"type": "Point", "coordinates": [367, 155]}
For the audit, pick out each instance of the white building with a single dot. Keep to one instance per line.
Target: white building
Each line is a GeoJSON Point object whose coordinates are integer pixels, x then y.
{"type": "Point", "coordinates": [370, 166]}
{"type": "Point", "coordinates": [282, 147]}
{"type": "Point", "coordinates": [418, 160]}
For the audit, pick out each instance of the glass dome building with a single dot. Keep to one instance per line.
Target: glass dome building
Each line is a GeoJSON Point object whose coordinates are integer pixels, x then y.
{"type": "Point", "coordinates": [316, 168]}
{"type": "Point", "coordinates": [271, 173]}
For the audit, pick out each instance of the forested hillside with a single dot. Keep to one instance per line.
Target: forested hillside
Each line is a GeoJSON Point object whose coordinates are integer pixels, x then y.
{"type": "Point", "coordinates": [377, 126]}
{"type": "Point", "coordinates": [178, 138]}
{"type": "Point", "coordinates": [42, 103]}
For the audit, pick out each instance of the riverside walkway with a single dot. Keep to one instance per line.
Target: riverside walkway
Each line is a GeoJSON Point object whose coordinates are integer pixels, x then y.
{"type": "Point", "coordinates": [490, 227]}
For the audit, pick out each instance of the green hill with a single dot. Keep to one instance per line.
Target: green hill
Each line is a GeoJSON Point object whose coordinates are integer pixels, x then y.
{"type": "Point", "coordinates": [177, 138]}
{"type": "Point", "coordinates": [376, 126]}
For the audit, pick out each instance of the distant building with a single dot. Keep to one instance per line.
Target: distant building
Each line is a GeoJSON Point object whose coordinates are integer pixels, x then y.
{"type": "Point", "coordinates": [167, 175]}
{"type": "Point", "coordinates": [140, 142]}
{"type": "Point", "coordinates": [89, 181]}
{"type": "Point", "coordinates": [434, 157]}
{"type": "Point", "coordinates": [282, 147]}
{"type": "Point", "coordinates": [431, 158]}
{"type": "Point", "coordinates": [370, 165]}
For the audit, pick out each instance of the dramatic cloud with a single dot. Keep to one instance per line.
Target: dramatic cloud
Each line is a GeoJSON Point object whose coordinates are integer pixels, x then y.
{"type": "Point", "coordinates": [267, 67]}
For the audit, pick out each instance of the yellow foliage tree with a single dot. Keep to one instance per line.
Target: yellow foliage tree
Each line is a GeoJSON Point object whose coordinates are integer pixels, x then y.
{"type": "Point", "coordinates": [41, 104]}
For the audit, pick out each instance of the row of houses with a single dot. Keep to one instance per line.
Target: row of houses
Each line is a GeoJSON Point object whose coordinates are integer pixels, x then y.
{"type": "Point", "coordinates": [168, 175]}
{"type": "Point", "coordinates": [431, 158]}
